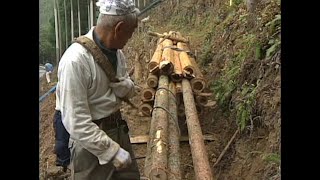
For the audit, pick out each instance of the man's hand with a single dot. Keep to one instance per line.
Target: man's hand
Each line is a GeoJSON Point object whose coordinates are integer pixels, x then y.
{"type": "Point", "coordinates": [122, 88]}
{"type": "Point", "coordinates": [122, 159]}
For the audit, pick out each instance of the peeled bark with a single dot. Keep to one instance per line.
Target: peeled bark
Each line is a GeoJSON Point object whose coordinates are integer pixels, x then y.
{"type": "Point", "coordinates": [157, 159]}
{"type": "Point", "coordinates": [198, 150]}
{"type": "Point", "coordinates": [174, 136]}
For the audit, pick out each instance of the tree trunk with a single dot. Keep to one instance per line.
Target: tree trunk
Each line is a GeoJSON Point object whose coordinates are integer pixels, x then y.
{"type": "Point", "coordinates": [59, 29]}
{"type": "Point", "coordinates": [198, 150]}
{"type": "Point", "coordinates": [156, 159]}
{"type": "Point", "coordinates": [56, 31]}
{"type": "Point", "coordinates": [71, 12]}
{"type": "Point", "coordinates": [174, 136]}
{"type": "Point", "coordinates": [66, 22]}
{"type": "Point", "coordinates": [79, 21]}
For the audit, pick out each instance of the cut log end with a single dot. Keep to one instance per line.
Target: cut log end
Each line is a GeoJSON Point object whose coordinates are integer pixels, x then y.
{"type": "Point", "coordinates": [197, 85]}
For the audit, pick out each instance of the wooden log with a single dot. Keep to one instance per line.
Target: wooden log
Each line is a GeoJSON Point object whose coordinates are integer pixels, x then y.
{"type": "Point", "coordinates": [167, 37]}
{"type": "Point", "coordinates": [153, 65]}
{"type": "Point", "coordinates": [156, 158]}
{"type": "Point", "coordinates": [145, 109]}
{"type": "Point", "coordinates": [198, 150]}
{"type": "Point", "coordinates": [152, 80]}
{"type": "Point", "coordinates": [198, 83]}
{"type": "Point", "coordinates": [166, 63]}
{"type": "Point", "coordinates": [186, 66]}
{"type": "Point", "coordinates": [176, 76]}
{"type": "Point", "coordinates": [191, 70]}
{"type": "Point", "coordinates": [137, 68]}
{"type": "Point", "coordinates": [174, 136]}
{"type": "Point", "coordinates": [147, 94]}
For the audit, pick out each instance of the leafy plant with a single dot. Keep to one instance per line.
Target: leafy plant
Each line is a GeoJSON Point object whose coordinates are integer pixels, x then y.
{"type": "Point", "coordinates": [272, 158]}
{"type": "Point", "coordinates": [245, 105]}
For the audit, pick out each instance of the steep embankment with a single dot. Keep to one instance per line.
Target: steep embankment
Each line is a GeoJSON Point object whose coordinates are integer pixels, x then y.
{"type": "Point", "coordinates": [239, 53]}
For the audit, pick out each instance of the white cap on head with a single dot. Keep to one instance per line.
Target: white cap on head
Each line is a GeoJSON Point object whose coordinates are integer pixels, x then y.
{"type": "Point", "coordinates": [116, 7]}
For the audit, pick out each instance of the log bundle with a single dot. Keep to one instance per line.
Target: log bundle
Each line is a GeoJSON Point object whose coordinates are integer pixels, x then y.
{"type": "Point", "coordinates": [173, 91]}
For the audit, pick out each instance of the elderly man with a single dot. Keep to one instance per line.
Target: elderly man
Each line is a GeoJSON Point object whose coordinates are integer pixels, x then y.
{"type": "Point", "coordinates": [89, 102]}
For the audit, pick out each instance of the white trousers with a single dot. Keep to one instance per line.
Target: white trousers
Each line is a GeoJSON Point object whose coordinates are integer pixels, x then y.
{"type": "Point", "coordinates": [48, 76]}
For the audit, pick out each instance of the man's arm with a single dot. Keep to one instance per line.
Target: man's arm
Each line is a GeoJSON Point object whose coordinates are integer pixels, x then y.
{"type": "Point", "coordinates": [74, 81]}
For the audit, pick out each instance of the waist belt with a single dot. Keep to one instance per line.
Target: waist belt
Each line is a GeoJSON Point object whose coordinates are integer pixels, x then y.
{"type": "Point", "coordinates": [111, 122]}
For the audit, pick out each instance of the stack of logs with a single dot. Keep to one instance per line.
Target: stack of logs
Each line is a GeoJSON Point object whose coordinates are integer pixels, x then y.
{"type": "Point", "coordinates": [173, 58]}
{"type": "Point", "coordinates": [174, 88]}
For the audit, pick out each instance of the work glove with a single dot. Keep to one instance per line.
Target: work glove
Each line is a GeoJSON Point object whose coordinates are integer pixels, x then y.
{"type": "Point", "coordinates": [122, 159]}
{"type": "Point", "coordinates": [122, 88]}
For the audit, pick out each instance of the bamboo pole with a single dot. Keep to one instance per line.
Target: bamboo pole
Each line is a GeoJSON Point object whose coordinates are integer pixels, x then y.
{"type": "Point", "coordinates": [198, 83]}
{"type": "Point", "coordinates": [146, 109]}
{"type": "Point", "coordinates": [174, 136]}
{"type": "Point", "coordinates": [201, 100]}
{"type": "Point", "coordinates": [71, 19]}
{"type": "Point", "coordinates": [186, 66]}
{"type": "Point", "coordinates": [153, 65]}
{"type": "Point", "coordinates": [56, 31]}
{"type": "Point", "coordinates": [156, 159]}
{"type": "Point", "coordinates": [148, 94]}
{"type": "Point", "coordinates": [167, 37]}
{"type": "Point", "coordinates": [198, 150]}
{"type": "Point", "coordinates": [166, 63]}
{"type": "Point", "coordinates": [65, 23]}
{"type": "Point", "coordinates": [152, 80]}
{"type": "Point", "coordinates": [79, 19]}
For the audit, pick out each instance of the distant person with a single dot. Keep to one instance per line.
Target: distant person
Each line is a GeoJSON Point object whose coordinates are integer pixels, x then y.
{"type": "Point", "coordinates": [49, 69]}
{"type": "Point", "coordinates": [88, 103]}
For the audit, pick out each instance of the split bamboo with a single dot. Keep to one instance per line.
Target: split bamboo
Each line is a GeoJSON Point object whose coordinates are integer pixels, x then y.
{"type": "Point", "coordinates": [166, 63]}
{"type": "Point", "coordinates": [176, 76]}
{"type": "Point", "coordinates": [186, 66]}
{"type": "Point", "coordinates": [153, 65]}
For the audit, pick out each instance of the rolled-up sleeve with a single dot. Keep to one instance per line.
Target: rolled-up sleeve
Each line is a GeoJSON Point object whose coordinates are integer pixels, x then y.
{"type": "Point", "coordinates": [74, 80]}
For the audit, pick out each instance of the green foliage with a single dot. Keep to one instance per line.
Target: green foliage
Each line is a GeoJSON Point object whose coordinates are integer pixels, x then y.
{"type": "Point", "coordinates": [275, 45]}
{"type": "Point", "coordinates": [227, 83]}
{"type": "Point", "coordinates": [272, 158]}
{"type": "Point", "coordinates": [245, 105]}
{"type": "Point", "coordinates": [237, 2]}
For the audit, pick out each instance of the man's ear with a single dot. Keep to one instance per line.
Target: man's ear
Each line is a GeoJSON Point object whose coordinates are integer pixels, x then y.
{"type": "Point", "coordinates": [118, 29]}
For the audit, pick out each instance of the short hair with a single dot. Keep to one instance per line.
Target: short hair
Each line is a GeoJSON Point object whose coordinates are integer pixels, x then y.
{"type": "Point", "coordinates": [110, 21]}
